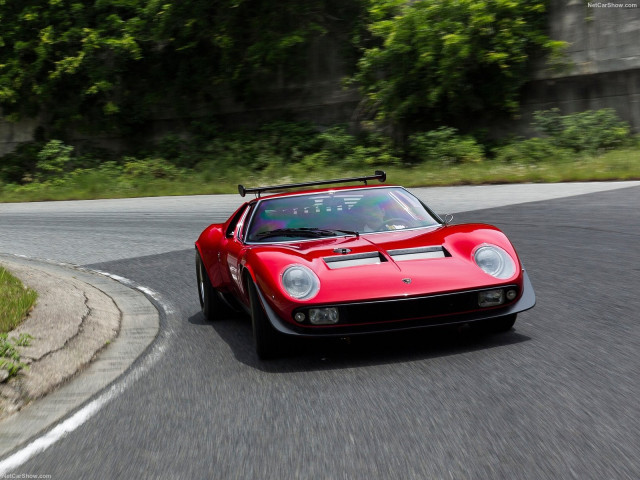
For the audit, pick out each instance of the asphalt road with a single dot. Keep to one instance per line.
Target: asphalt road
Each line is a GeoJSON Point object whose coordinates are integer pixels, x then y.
{"type": "Point", "coordinates": [557, 397]}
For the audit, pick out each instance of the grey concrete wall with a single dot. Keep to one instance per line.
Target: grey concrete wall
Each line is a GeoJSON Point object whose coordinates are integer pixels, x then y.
{"type": "Point", "coordinates": [602, 37]}
{"type": "Point", "coordinates": [13, 134]}
{"type": "Point", "coordinates": [603, 61]}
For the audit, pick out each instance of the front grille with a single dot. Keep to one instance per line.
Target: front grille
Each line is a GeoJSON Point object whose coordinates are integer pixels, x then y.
{"type": "Point", "coordinates": [433, 308]}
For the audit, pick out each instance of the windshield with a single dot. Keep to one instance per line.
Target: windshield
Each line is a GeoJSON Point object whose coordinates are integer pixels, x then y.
{"type": "Point", "coordinates": [334, 213]}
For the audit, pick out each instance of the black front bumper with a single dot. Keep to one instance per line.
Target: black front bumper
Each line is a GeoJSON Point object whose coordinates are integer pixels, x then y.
{"type": "Point", "coordinates": [438, 306]}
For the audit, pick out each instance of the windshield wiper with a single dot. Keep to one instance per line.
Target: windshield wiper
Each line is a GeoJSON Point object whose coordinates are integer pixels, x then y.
{"type": "Point", "coordinates": [347, 232]}
{"type": "Point", "coordinates": [304, 232]}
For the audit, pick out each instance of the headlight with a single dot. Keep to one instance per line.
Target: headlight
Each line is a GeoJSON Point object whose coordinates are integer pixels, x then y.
{"type": "Point", "coordinates": [494, 261]}
{"type": "Point", "coordinates": [300, 282]}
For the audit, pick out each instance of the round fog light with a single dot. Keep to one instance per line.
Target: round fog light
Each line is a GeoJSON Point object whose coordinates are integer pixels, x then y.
{"type": "Point", "coordinates": [511, 294]}
{"type": "Point", "coordinates": [299, 317]}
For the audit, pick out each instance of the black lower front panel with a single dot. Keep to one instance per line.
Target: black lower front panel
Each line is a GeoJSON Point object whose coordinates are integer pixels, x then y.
{"type": "Point", "coordinates": [409, 309]}
{"type": "Point", "coordinates": [400, 314]}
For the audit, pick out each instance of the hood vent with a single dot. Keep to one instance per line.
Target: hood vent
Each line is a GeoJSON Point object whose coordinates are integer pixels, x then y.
{"type": "Point", "coordinates": [354, 260]}
{"type": "Point", "coordinates": [420, 253]}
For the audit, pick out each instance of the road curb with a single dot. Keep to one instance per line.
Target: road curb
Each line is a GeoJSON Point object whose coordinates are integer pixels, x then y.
{"type": "Point", "coordinates": [139, 326]}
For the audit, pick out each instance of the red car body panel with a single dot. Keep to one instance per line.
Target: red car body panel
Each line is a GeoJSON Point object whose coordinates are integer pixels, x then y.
{"type": "Point", "coordinates": [229, 260]}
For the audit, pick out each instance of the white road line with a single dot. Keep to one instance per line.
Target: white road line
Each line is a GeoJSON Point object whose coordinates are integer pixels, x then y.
{"type": "Point", "coordinates": [157, 297]}
{"type": "Point", "coordinates": [60, 431]}
{"type": "Point", "coordinates": [115, 277]}
{"type": "Point", "coordinates": [79, 418]}
{"type": "Point", "coordinates": [85, 413]}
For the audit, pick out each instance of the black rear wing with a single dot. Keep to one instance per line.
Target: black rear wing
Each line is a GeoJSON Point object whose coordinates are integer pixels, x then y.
{"type": "Point", "coordinates": [378, 175]}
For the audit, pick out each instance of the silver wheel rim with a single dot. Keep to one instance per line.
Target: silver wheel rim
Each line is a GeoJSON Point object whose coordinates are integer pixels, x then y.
{"type": "Point", "coordinates": [201, 284]}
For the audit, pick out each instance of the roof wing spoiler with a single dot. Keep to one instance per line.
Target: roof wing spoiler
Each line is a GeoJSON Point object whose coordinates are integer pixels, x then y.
{"type": "Point", "coordinates": [378, 175]}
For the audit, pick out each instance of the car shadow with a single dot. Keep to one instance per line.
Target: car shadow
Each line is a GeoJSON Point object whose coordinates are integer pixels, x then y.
{"type": "Point", "coordinates": [302, 354]}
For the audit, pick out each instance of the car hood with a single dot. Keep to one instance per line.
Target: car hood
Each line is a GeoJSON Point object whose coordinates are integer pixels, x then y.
{"type": "Point", "coordinates": [387, 265]}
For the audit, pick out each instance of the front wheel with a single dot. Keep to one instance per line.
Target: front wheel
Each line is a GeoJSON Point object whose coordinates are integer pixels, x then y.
{"type": "Point", "coordinates": [265, 337]}
{"type": "Point", "coordinates": [210, 302]}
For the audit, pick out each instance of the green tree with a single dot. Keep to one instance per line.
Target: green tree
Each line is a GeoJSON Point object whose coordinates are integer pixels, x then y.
{"type": "Point", "coordinates": [65, 59]}
{"type": "Point", "coordinates": [241, 40]}
{"type": "Point", "coordinates": [434, 62]}
{"type": "Point", "coordinates": [108, 65]}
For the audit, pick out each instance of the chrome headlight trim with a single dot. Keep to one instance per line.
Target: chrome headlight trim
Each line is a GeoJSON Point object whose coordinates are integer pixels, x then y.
{"type": "Point", "coordinates": [299, 282]}
{"type": "Point", "coordinates": [494, 261]}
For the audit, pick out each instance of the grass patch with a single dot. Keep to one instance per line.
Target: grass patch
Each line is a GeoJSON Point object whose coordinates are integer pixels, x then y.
{"type": "Point", "coordinates": [9, 357]}
{"type": "Point", "coordinates": [620, 164]}
{"type": "Point", "coordinates": [587, 146]}
{"type": "Point", "coordinates": [15, 301]}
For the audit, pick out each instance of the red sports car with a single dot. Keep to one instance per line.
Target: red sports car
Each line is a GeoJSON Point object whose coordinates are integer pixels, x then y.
{"type": "Point", "coordinates": [351, 260]}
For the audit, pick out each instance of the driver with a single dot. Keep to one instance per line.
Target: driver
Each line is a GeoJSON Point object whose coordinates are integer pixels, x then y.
{"type": "Point", "coordinates": [369, 215]}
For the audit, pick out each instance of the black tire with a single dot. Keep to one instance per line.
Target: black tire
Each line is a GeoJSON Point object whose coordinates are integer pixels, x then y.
{"type": "Point", "coordinates": [213, 307]}
{"type": "Point", "coordinates": [265, 337]}
{"type": "Point", "coordinates": [503, 324]}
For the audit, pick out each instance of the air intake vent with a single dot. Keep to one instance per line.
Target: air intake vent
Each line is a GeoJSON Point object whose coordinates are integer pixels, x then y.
{"type": "Point", "coordinates": [420, 253]}
{"type": "Point", "coordinates": [354, 260]}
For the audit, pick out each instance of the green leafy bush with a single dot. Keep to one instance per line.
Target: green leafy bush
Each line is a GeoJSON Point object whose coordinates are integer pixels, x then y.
{"type": "Point", "coordinates": [175, 149]}
{"type": "Point", "coordinates": [313, 162]}
{"type": "Point", "coordinates": [298, 146]}
{"type": "Point", "coordinates": [372, 156]}
{"type": "Point", "coordinates": [237, 150]}
{"type": "Point", "coordinates": [444, 145]}
{"type": "Point", "coordinates": [54, 159]}
{"type": "Point", "coordinates": [367, 148]}
{"type": "Point", "coordinates": [588, 131]}
{"type": "Point", "coordinates": [337, 142]}
{"type": "Point", "coordinates": [532, 151]}
{"type": "Point", "coordinates": [278, 143]}
{"type": "Point", "coordinates": [150, 168]}
{"type": "Point", "coordinates": [288, 140]}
